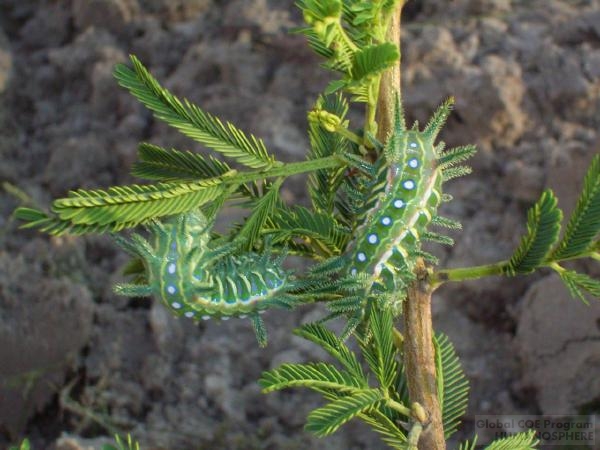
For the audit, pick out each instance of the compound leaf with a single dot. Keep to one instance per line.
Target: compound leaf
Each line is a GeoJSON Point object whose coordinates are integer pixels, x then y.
{"type": "Point", "coordinates": [191, 120]}
{"type": "Point", "coordinates": [520, 441]}
{"type": "Point", "coordinates": [55, 226]}
{"type": "Point", "coordinates": [380, 352]}
{"type": "Point", "coordinates": [133, 204]}
{"type": "Point", "coordinates": [543, 227]}
{"type": "Point", "coordinates": [576, 282]}
{"type": "Point", "coordinates": [316, 376]}
{"type": "Point", "coordinates": [327, 340]}
{"type": "Point", "coordinates": [167, 165]}
{"type": "Point", "coordinates": [452, 384]}
{"type": "Point", "coordinates": [373, 60]}
{"type": "Point", "coordinates": [327, 419]}
{"type": "Point", "coordinates": [584, 224]}
{"type": "Point", "coordinates": [319, 228]}
{"type": "Point", "coordinates": [262, 209]}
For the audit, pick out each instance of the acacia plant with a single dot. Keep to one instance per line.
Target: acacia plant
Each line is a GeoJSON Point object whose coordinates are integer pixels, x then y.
{"type": "Point", "coordinates": [374, 187]}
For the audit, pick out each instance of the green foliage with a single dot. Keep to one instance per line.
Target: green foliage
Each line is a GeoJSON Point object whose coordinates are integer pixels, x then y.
{"type": "Point", "coordinates": [316, 376]}
{"type": "Point", "coordinates": [373, 60]}
{"type": "Point", "coordinates": [578, 283]}
{"type": "Point", "coordinates": [120, 207]}
{"type": "Point", "coordinates": [325, 236]}
{"type": "Point", "coordinates": [584, 224]}
{"type": "Point", "coordinates": [323, 185]}
{"type": "Point", "coordinates": [159, 164]}
{"type": "Point", "coordinates": [378, 347]}
{"type": "Point", "coordinates": [452, 385]}
{"type": "Point", "coordinates": [191, 120]}
{"type": "Point", "coordinates": [261, 207]}
{"type": "Point", "coordinates": [540, 247]}
{"type": "Point", "coordinates": [519, 441]}
{"type": "Point", "coordinates": [329, 342]}
{"type": "Point", "coordinates": [326, 420]}
{"type": "Point", "coordinates": [348, 388]}
{"type": "Point", "coordinates": [543, 227]}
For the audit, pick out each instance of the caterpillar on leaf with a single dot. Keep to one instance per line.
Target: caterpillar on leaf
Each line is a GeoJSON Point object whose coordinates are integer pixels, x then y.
{"type": "Point", "coordinates": [199, 282]}
{"type": "Point", "coordinates": [399, 204]}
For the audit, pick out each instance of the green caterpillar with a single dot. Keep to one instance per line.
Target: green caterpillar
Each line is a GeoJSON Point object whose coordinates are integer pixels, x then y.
{"type": "Point", "coordinates": [399, 204]}
{"type": "Point", "coordinates": [198, 282]}
{"type": "Point", "coordinates": [403, 199]}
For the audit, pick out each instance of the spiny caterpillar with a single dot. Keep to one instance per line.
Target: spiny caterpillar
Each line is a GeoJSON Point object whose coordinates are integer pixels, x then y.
{"type": "Point", "coordinates": [400, 202]}
{"type": "Point", "coordinates": [403, 199]}
{"type": "Point", "coordinates": [198, 282]}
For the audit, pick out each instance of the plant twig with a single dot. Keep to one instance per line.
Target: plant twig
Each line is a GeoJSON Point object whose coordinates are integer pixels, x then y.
{"type": "Point", "coordinates": [391, 84]}
{"type": "Point", "coordinates": [419, 358]}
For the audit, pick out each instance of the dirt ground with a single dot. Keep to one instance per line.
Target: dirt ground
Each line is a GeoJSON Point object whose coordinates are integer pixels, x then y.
{"type": "Point", "coordinates": [78, 362]}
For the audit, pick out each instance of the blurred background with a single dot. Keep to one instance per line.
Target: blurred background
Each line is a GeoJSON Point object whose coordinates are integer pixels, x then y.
{"type": "Point", "coordinates": [78, 363]}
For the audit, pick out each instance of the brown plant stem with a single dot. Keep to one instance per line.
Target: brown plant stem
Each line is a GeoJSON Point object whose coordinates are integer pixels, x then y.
{"type": "Point", "coordinates": [390, 84]}
{"type": "Point", "coordinates": [419, 358]}
{"type": "Point", "coordinates": [419, 352]}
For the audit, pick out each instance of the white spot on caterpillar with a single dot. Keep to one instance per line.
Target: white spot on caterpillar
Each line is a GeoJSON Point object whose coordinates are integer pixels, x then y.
{"type": "Point", "coordinates": [414, 163]}
{"type": "Point", "coordinates": [171, 289]}
{"type": "Point", "coordinates": [413, 145]}
{"type": "Point", "coordinates": [189, 314]}
{"type": "Point", "coordinates": [242, 316]}
{"type": "Point", "coordinates": [386, 221]}
{"type": "Point", "coordinates": [361, 257]}
{"type": "Point", "coordinates": [353, 271]}
{"type": "Point", "coordinates": [372, 238]}
{"type": "Point", "coordinates": [399, 204]}
{"type": "Point", "coordinates": [205, 317]}
{"type": "Point", "coordinates": [225, 318]}
{"type": "Point", "coordinates": [409, 185]}
{"type": "Point", "coordinates": [176, 305]}
{"type": "Point", "coordinates": [171, 268]}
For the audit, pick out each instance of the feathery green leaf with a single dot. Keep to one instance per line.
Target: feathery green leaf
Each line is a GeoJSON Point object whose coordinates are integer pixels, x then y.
{"type": "Point", "coordinates": [584, 224]}
{"type": "Point", "coordinates": [159, 164]}
{"type": "Point", "coordinates": [57, 227]}
{"type": "Point", "coordinates": [520, 441]}
{"type": "Point", "coordinates": [133, 204]}
{"type": "Point", "coordinates": [543, 227]}
{"type": "Point", "coordinates": [373, 60]}
{"type": "Point", "coordinates": [392, 435]}
{"type": "Point", "coordinates": [312, 375]}
{"type": "Point", "coordinates": [452, 384]}
{"type": "Point", "coordinates": [380, 352]}
{"type": "Point", "coordinates": [576, 282]}
{"type": "Point", "coordinates": [262, 208]}
{"type": "Point", "coordinates": [327, 340]}
{"type": "Point", "coordinates": [319, 228]}
{"type": "Point", "coordinates": [324, 184]}
{"type": "Point", "coordinates": [327, 419]}
{"type": "Point", "coordinates": [191, 120]}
